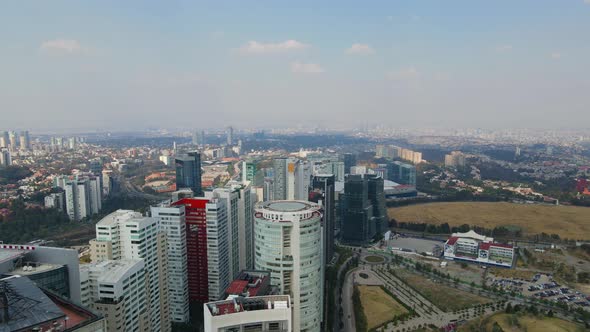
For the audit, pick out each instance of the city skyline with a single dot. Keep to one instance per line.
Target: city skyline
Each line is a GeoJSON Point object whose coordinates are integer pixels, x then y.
{"type": "Point", "coordinates": [126, 66]}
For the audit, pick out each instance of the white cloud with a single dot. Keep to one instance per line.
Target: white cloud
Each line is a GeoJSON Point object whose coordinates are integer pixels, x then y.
{"type": "Point", "coordinates": [61, 46]}
{"type": "Point", "coordinates": [360, 49]}
{"type": "Point", "coordinates": [306, 68]}
{"type": "Point", "coordinates": [557, 55]}
{"type": "Point", "coordinates": [255, 47]}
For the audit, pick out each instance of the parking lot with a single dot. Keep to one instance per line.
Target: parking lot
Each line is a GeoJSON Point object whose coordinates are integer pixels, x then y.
{"type": "Point", "coordinates": [542, 286]}
{"type": "Point", "coordinates": [414, 244]}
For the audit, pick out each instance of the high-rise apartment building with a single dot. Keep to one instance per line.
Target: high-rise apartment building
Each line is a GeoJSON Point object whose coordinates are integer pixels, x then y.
{"type": "Point", "coordinates": [208, 263]}
{"type": "Point", "coordinates": [288, 243]}
{"type": "Point", "coordinates": [172, 221]}
{"type": "Point", "coordinates": [456, 159]}
{"type": "Point", "coordinates": [188, 172]}
{"type": "Point", "coordinates": [4, 140]}
{"type": "Point", "coordinates": [13, 140]}
{"type": "Point", "coordinates": [240, 203]}
{"type": "Point", "coordinates": [25, 140]}
{"type": "Point", "coordinates": [284, 178]}
{"type": "Point", "coordinates": [5, 157]}
{"type": "Point", "coordinates": [127, 235]}
{"type": "Point", "coordinates": [117, 289]}
{"type": "Point", "coordinates": [83, 197]}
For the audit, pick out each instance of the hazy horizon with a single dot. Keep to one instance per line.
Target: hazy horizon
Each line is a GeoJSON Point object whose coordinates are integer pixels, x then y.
{"type": "Point", "coordinates": [176, 64]}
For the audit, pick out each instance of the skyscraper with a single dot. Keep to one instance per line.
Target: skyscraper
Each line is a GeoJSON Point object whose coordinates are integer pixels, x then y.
{"type": "Point", "coordinates": [13, 140]}
{"type": "Point", "coordinates": [376, 196]}
{"type": "Point", "coordinates": [322, 192]}
{"type": "Point", "coordinates": [230, 136]}
{"type": "Point", "coordinates": [127, 235]}
{"type": "Point", "coordinates": [112, 288]}
{"type": "Point", "coordinates": [284, 178]}
{"type": "Point", "coordinates": [349, 160]}
{"type": "Point", "coordinates": [195, 138]}
{"type": "Point", "coordinates": [5, 158]}
{"type": "Point", "coordinates": [172, 221]}
{"type": "Point", "coordinates": [25, 140]}
{"type": "Point", "coordinates": [4, 140]}
{"type": "Point", "coordinates": [358, 225]}
{"type": "Point", "coordinates": [207, 248]}
{"type": "Point", "coordinates": [188, 172]}
{"type": "Point", "coordinates": [288, 244]}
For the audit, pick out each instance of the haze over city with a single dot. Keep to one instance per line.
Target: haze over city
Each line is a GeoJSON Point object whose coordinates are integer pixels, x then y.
{"type": "Point", "coordinates": [136, 64]}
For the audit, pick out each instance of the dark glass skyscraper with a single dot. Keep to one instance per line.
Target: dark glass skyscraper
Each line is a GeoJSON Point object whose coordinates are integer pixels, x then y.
{"type": "Point", "coordinates": [188, 172]}
{"type": "Point", "coordinates": [322, 192]}
{"type": "Point", "coordinates": [349, 160]}
{"type": "Point", "coordinates": [377, 199]}
{"type": "Point", "coordinates": [358, 226]}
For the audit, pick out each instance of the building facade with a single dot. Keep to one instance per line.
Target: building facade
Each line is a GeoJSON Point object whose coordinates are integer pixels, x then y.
{"type": "Point", "coordinates": [476, 248]}
{"type": "Point", "coordinates": [288, 244]}
{"type": "Point", "coordinates": [172, 221]}
{"type": "Point", "coordinates": [188, 172]}
{"type": "Point", "coordinates": [132, 236]}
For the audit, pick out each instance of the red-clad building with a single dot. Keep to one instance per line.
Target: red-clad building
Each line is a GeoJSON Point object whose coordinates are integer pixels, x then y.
{"type": "Point", "coordinates": [196, 247]}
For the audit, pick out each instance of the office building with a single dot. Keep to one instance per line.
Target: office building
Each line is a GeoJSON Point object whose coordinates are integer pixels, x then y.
{"type": "Point", "coordinates": [5, 157]}
{"type": "Point", "coordinates": [376, 195]}
{"type": "Point", "coordinates": [349, 160]}
{"type": "Point", "coordinates": [55, 269]}
{"type": "Point", "coordinates": [455, 159]}
{"type": "Point", "coordinates": [248, 171]}
{"type": "Point", "coordinates": [358, 224]}
{"type": "Point", "coordinates": [322, 192]}
{"type": "Point", "coordinates": [172, 221]}
{"type": "Point", "coordinates": [208, 262]}
{"type": "Point", "coordinates": [24, 306]}
{"type": "Point", "coordinates": [259, 313]}
{"type": "Point", "coordinates": [196, 138]}
{"type": "Point", "coordinates": [127, 235]}
{"type": "Point", "coordinates": [107, 182]}
{"type": "Point", "coordinates": [288, 244]}
{"type": "Point", "coordinates": [229, 140]}
{"type": "Point", "coordinates": [402, 173]}
{"type": "Point", "coordinates": [475, 248]}
{"type": "Point", "coordinates": [284, 178]}
{"type": "Point", "coordinates": [188, 172]}
{"type": "Point", "coordinates": [117, 290]}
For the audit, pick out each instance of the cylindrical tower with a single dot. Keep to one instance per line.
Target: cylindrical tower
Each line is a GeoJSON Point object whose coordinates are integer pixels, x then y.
{"type": "Point", "coordinates": [288, 244]}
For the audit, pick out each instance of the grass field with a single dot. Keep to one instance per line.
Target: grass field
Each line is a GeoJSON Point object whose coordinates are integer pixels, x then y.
{"type": "Point", "coordinates": [567, 221]}
{"type": "Point", "coordinates": [378, 306]}
{"type": "Point", "coordinates": [445, 297]}
{"type": "Point", "coordinates": [513, 323]}
{"type": "Point", "coordinates": [374, 259]}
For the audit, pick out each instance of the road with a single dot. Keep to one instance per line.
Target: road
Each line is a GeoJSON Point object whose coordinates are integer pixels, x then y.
{"type": "Point", "coordinates": [347, 305]}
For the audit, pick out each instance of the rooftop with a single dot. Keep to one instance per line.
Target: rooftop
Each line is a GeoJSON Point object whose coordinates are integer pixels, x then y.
{"type": "Point", "coordinates": [111, 271]}
{"type": "Point", "coordinates": [241, 304]}
{"type": "Point", "coordinates": [112, 218]}
{"type": "Point", "coordinates": [250, 283]}
{"type": "Point", "coordinates": [7, 255]}
{"type": "Point", "coordinates": [28, 306]}
{"type": "Point", "coordinates": [29, 268]}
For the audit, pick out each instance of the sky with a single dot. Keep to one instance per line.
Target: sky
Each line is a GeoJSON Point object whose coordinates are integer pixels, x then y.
{"type": "Point", "coordinates": [119, 65]}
